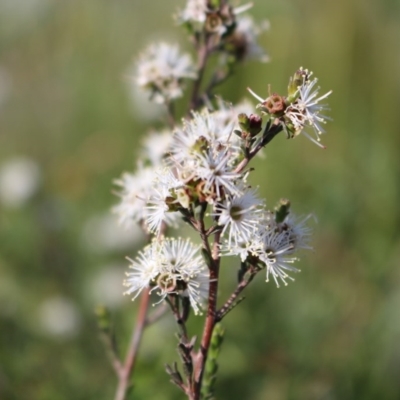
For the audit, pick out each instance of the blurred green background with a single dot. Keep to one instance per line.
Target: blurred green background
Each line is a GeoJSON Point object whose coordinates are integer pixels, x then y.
{"type": "Point", "coordinates": [70, 124]}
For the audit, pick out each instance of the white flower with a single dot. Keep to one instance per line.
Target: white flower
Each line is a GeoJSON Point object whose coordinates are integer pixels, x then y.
{"type": "Point", "coordinates": [277, 256]}
{"type": "Point", "coordinates": [306, 111]}
{"type": "Point", "coordinates": [157, 207]}
{"type": "Point", "coordinates": [297, 230]}
{"type": "Point", "coordinates": [161, 69]}
{"type": "Point", "coordinates": [215, 169]}
{"type": "Point", "coordinates": [226, 119]}
{"type": "Point", "coordinates": [183, 265]}
{"type": "Point", "coordinates": [242, 248]}
{"type": "Point", "coordinates": [203, 125]}
{"type": "Point", "coordinates": [203, 150]}
{"type": "Point", "coordinates": [135, 189]}
{"type": "Point", "coordinates": [145, 268]}
{"type": "Point", "coordinates": [59, 317]}
{"type": "Point", "coordinates": [143, 198]}
{"type": "Point", "coordinates": [19, 181]}
{"type": "Point", "coordinates": [195, 11]}
{"type": "Point", "coordinates": [156, 146]}
{"type": "Point", "coordinates": [240, 216]}
{"type": "Point", "coordinates": [170, 266]}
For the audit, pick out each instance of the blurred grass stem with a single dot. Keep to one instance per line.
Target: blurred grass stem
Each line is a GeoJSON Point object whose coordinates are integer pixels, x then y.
{"type": "Point", "coordinates": [125, 372]}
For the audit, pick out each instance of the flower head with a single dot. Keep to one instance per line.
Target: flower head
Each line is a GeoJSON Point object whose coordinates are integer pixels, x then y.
{"type": "Point", "coordinates": [240, 217]}
{"type": "Point", "coordinates": [143, 198]}
{"type": "Point", "coordinates": [216, 17]}
{"type": "Point", "coordinates": [135, 189]}
{"type": "Point", "coordinates": [161, 69]}
{"type": "Point", "coordinates": [306, 111]}
{"type": "Point", "coordinates": [170, 267]}
{"type": "Point", "coordinates": [156, 146]}
{"type": "Point", "coordinates": [204, 153]}
{"type": "Point", "coordinates": [195, 11]}
{"type": "Point", "coordinates": [161, 202]}
{"type": "Point", "coordinates": [277, 256]}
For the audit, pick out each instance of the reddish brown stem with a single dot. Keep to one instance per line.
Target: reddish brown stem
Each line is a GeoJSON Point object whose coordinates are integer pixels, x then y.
{"type": "Point", "coordinates": [124, 373]}
{"type": "Point", "coordinates": [201, 357]}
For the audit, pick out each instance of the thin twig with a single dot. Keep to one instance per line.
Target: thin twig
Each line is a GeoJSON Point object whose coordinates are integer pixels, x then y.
{"type": "Point", "coordinates": [229, 304]}
{"type": "Point", "coordinates": [131, 356]}
{"type": "Point", "coordinates": [272, 131]}
{"type": "Point", "coordinates": [202, 56]}
{"type": "Point", "coordinates": [158, 313]}
{"type": "Point", "coordinates": [112, 353]}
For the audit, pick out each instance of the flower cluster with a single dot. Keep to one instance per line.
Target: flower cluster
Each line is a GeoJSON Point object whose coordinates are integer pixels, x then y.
{"type": "Point", "coordinates": [271, 243]}
{"type": "Point", "coordinates": [201, 166]}
{"type": "Point", "coordinates": [234, 33]}
{"type": "Point", "coordinates": [198, 168]}
{"type": "Point", "coordinates": [301, 109]}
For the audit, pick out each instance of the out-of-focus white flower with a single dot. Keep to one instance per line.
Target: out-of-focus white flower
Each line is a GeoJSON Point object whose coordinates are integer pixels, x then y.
{"type": "Point", "coordinates": [102, 233]}
{"type": "Point", "coordinates": [142, 107]}
{"type": "Point", "coordinates": [143, 198]}
{"type": "Point", "coordinates": [161, 70]}
{"type": "Point", "coordinates": [19, 181]}
{"type": "Point", "coordinates": [59, 317]}
{"type": "Point", "coordinates": [298, 231]}
{"type": "Point", "coordinates": [195, 11]}
{"type": "Point", "coordinates": [306, 111]}
{"type": "Point", "coordinates": [170, 266]}
{"type": "Point", "coordinates": [104, 286]}
{"type": "Point", "coordinates": [156, 146]}
{"type": "Point", "coordinates": [243, 41]}
{"type": "Point", "coordinates": [135, 189]}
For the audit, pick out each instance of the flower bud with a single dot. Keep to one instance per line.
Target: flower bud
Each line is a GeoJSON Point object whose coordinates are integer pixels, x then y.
{"type": "Point", "coordinates": [282, 210]}
{"type": "Point", "coordinates": [244, 122]}
{"type": "Point", "coordinates": [103, 318]}
{"type": "Point", "coordinates": [255, 124]}
{"type": "Point", "coordinates": [251, 125]}
{"type": "Point", "coordinates": [297, 80]}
